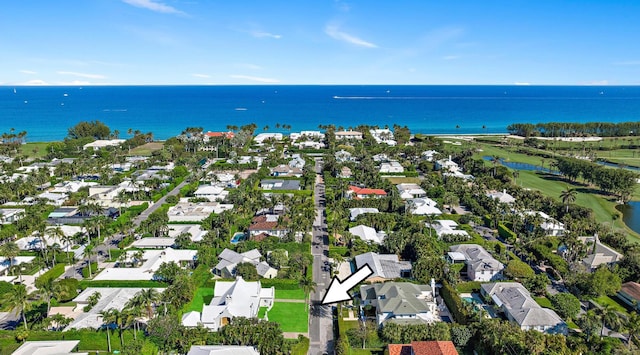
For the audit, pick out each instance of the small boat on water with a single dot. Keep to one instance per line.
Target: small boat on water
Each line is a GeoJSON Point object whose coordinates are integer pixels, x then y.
{"type": "Point", "coordinates": [65, 94]}
{"type": "Point", "coordinates": [14, 90]}
{"type": "Point", "coordinates": [240, 109]}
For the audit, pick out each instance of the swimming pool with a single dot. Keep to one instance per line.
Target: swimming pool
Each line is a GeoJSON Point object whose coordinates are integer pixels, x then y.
{"type": "Point", "coordinates": [238, 237]}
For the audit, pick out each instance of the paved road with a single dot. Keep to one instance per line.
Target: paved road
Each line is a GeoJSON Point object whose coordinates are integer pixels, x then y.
{"type": "Point", "coordinates": [320, 320]}
{"type": "Point", "coordinates": [145, 214]}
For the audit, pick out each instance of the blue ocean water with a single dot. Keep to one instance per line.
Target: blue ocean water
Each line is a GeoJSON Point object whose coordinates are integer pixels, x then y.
{"type": "Point", "coordinates": [47, 112]}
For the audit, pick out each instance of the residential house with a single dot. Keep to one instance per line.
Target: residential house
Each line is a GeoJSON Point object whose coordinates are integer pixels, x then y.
{"type": "Point", "coordinates": [297, 162]}
{"type": "Point", "coordinates": [380, 158]}
{"type": "Point", "coordinates": [152, 259]}
{"type": "Point", "coordinates": [445, 227]}
{"type": "Point", "coordinates": [422, 206]}
{"type": "Point", "coordinates": [342, 156]}
{"type": "Point", "coordinates": [368, 234]}
{"type": "Point", "coordinates": [229, 259]}
{"type": "Point", "coordinates": [410, 191]}
{"type": "Point", "coordinates": [345, 173]}
{"type": "Point", "coordinates": [347, 135]}
{"type": "Point", "coordinates": [431, 347]}
{"type": "Point", "coordinates": [49, 347]}
{"type": "Point", "coordinates": [261, 137]}
{"type": "Point", "coordinates": [384, 266]}
{"type": "Point", "coordinates": [186, 211]}
{"type": "Point", "coordinates": [355, 212]}
{"type": "Point", "coordinates": [401, 302]}
{"type": "Point", "coordinates": [212, 135]}
{"type": "Point", "coordinates": [194, 230]}
{"type": "Point", "coordinates": [10, 215]}
{"type": "Point", "coordinates": [549, 225]}
{"type": "Point", "coordinates": [278, 184]}
{"type": "Point", "coordinates": [286, 170]}
{"type": "Point", "coordinates": [103, 143]}
{"type": "Point", "coordinates": [231, 299]}
{"type": "Point", "coordinates": [154, 243]}
{"type": "Point", "coordinates": [211, 193]}
{"type": "Point", "coordinates": [630, 294]}
{"type": "Point", "coordinates": [110, 297]}
{"type": "Point", "coordinates": [55, 199]}
{"type": "Point", "coordinates": [267, 224]}
{"type": "Point", "coordinates": [429, 155]}
{"type": "Point", "coordinates": [222, 350]}
{"type": "Point", "coordinates": [481, 266]}
{"type": "Point", "coordinates": [383, 136]}
{"type": "Point", "coordinates": [598, 253]}
{"type": "Point", "coordinates": [447, 165]}
{"type": "Point", "coordinates": [391, 167]}
{"type": "Point", "coordinates": [5, 263]}
{"type": "Point", "coordinates": [519, 307]}
{"type": "Point", "coordinates": [363, 192]}
{"type": "Point", "coordinates": [501, 196]}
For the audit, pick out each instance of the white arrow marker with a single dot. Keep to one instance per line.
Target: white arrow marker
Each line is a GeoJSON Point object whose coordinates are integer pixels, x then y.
{"type": "Point", "coordinates": [338, 291]}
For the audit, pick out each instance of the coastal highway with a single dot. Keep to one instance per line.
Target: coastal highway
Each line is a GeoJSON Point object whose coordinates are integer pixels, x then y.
{"type": "Point", "coordinates": [320, 318]}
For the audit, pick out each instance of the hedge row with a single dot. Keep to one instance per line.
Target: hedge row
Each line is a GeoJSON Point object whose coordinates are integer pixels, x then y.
{"type": "Point", "coordinates": [506, 233]}
{"type": "Point", "coordinates": [281, 284]}
{"type": "Point", "coordinates": [453, 302]}
{"type": "Point", "coordinates": [50, 275]}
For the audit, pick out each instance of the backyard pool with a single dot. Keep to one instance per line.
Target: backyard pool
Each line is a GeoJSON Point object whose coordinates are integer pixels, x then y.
{"type": "Point", "coordinates": [238, 237]}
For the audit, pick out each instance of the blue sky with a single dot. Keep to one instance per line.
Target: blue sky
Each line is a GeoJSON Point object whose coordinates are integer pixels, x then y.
{"type": "Point", "coordinates": [85, 42]}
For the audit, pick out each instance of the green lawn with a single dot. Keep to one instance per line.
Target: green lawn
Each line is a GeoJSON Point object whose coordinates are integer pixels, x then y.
{"type": "Point", "coordinates": [292, 317]}
{"type": "Point", "coordinates": [35, 149]}
{"type": "Point", "coordinates": [606, 300]}
{"type": "Point", "coordinates": [301, 348]}
{"type": "Point", "coordinates": [289, 294]}
{"type": "Point", "coordinates": [203, 296]}
{"type": "Point", "coordinates": [146, 149]}
{"type": "Point", "coordinates": [543, 302]}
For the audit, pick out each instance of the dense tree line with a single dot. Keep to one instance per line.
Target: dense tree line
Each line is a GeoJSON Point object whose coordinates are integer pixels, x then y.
{"type": "Point", "coordinates": [575, 129]}
{"type": "Point", "coordinates": [618, 181]}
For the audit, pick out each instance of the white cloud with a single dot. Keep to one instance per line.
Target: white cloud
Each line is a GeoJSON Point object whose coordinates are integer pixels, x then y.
{"type": "Point", "coordinates": [334, 32]}
{"type": "Point", "coordinates": [82, 75]}
{"type": "Point", "coordinates": [30, 72]}
{"type": "Point", "coordinates": [255, 78]}
{"type": "Point", "coordinates": [154, 6]}
{"type": "Point", "coordinates": [35, 82]}
{"type": "Point", "coordinates": [262, 34]}
{"type": "Point", "coordinates": [204, 76]}
{"type": "Point", "coordinates": [596, 83]}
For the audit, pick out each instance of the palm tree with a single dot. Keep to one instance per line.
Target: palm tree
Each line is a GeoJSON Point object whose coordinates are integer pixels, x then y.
{"type": "Point", "coordinates": [495, 161]}
{"type": "Point", "coordinates": [307, 285]}
{"type": "Point", "coordinates": [568, 197]}
{"type": "Point", "coordinates": [57, 234]}
{"type": "Point", "coordinates": [609, 317]}
{"type": "Point", "coordinates": [17, 299]}
{"type": "Point", "coordinates": [147, 298]}
{"type": "Point", "coordinates": [67, 240]}
{"type": "Point", "coordinates": [107, 320]}
{"type": "Point", "coordinates": [632, 326]}
{"type": "Point", "coordinates": [88, 252]}
{"type": "Point", "coordinates": [10, 250]}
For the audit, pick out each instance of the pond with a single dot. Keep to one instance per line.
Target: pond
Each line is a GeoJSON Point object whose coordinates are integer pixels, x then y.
{"type": "Point", "coordinates": [631, 215]}
{"type": "Point", "coordinates": [614, 165]}
{"type": "Point", "coordinates": [521, 166]}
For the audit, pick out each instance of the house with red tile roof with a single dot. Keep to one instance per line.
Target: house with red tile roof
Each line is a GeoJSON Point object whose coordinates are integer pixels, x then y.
{"type": "Point", "coordinates": [432, 347]}
{"type": "Point", "coordinates": [227, 135]}
{"type": "Point", "coordinates": [359, 193]}
{"type": "Point", "coordinates": [267, 224]}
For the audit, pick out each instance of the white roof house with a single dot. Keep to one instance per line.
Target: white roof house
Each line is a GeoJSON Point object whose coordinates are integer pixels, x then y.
{"type": "Point", "coordinates": [391, 167]}
{"type": "Point", "coordinates": [111, 297]}
{"type": "Point", "coordinates": [383, 135]}
{"type": "Point", "coordinates": [152, 261]}
{"type": "Point", "coordinates": [229, 259]}
{"type": "Point", "coordinates": [102, 143]}
{"type": "Point", "coordinates": [481, 266]}
{"type": "Point", "coordinates": [355, 212]}
{"type": "Point", "coordinates": [18, 260]}
{"type": "Point", "coordinates": [410, 190]}
{"type": "Point", "coordinates": [549, 225]}
{"type": "Point", "coordinates": [429, 155]}
{"type": "Point", "coordinates": [343, 156]}
{"type": "Point", "coordinates": [447, 164]}
{"type": "Point", "coordinates": [598, 253]}
{"type": "Point", "coordinates": [447, 227]}
{"type": "Point", "coordinates": [348, 135]}
{"type": "Point", "coordinates": [501, 196]}
{"type": "Point", "coordinates": [211, 193]}
{"type": "Point", "coordinates": [195, 230]}
{"type": "Point", "coordinates": [71, 186]}
{"type": "Point", "coordinates": [56, 199]}
{"type": "Point", "coordinates": [423, 206]}
{"type": "Point", "coordinates": [10, 215]}
{"type": "Point", "coordinates": [231, 299]}
{"type": "Point", "coordinates": [222, 350]}
{"type": "Point", "coordinates": [367, 234]}
{"type": "Point", "coordinates": [261, 137]}
{"type": "Point", "coordinates": [519, 307]}
{"type": "Point", "coordinates": [154, 243]}
{"type": "Point", "coordinates": [186, 211]}
{"type": "Point", "coordinates": [384, 266]}
{"type": "Point", "coordinates": [49, 347]}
